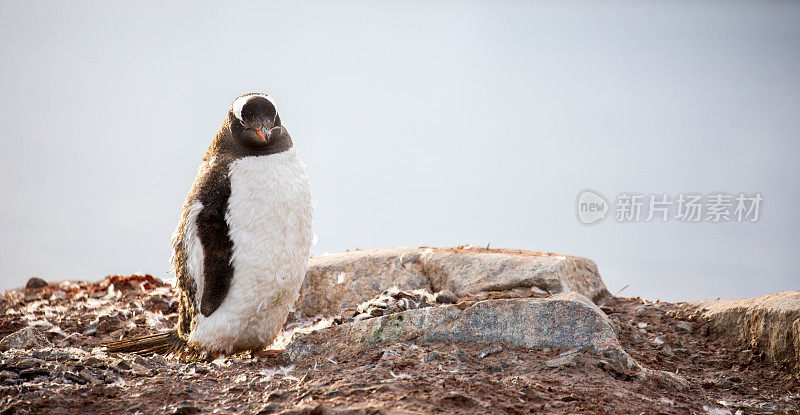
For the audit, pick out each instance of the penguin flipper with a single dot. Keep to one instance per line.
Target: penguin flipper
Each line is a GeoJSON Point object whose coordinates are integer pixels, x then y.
{"type": "Point", "coordinates": [213, 231]}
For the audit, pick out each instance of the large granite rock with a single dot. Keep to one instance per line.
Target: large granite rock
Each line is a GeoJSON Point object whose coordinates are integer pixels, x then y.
{"type": "Point", "coordinates": [565, 321]}
{"type": "Point", "coordinates": [346, 279]}
{"type": "Point", "coordinates": [768, 324]}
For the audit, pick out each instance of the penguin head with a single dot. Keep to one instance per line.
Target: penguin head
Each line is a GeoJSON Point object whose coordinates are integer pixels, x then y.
{"type": "Point", "coordinates": [255, 124]}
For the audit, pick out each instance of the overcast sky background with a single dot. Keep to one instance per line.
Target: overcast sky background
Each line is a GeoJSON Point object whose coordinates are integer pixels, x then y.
{"type": "Point", "coordinates": [421, 124]}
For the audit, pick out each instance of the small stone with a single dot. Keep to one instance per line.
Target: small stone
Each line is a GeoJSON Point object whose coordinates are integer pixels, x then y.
{"type": "Point", "coordinates": [446, 297]}
{"type": "Point", "coordinates": [58, 295]}
{"type": "Point", "coordinates": [269, 408]}
{"type": "Point", "coordinates": [158, 359]}
{"type": "Point", "coordinates": [463, 356]}
{"type": "Point", "coordinates": [93, 361]}
{"type": "Point", "coordinates": [120, 365]}
{"type": "Point", "coordinates": [89, 377]}
{"type": "Point", "coordinates": [27, 364]}
{"type": "Point", "coordinates": [716, 411]}
{"type": "Point", "coordinates": [35, 283]}
{"type": "Point", "coordinates": [33, 372]}
{"type": "Point", "coordinates": [27, 338]}
{"type": "Point", "coordinates": [362, 316]}
{"type": "Point", "coordinates": [7, 374]}
{"type": "Point", "coordinates": [490, 351]}
{"type": "Point", "coordinates": [682, 326]}
{"type": "Point", "coordinates": [682, 351]}
{"type": "Point", "coordinates": [430, 357]}
{"type": "Point", "coordinates": [566, 359]}
{"type": "Point", "coordinates": [75, 378]}
{"type": "Point", "coordinates": [139, 370]}
{"type": "Point", "coordinates": [641, 325]}
{"type": "Point", "coordinates": [186, 410]}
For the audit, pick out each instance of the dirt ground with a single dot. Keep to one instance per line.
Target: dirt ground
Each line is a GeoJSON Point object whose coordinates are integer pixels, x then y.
{"type": "Point", "coordinates": [74, 376]}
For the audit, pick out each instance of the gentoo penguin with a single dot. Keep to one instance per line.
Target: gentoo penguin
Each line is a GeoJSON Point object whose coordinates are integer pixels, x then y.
{"type": "Point", "coordinates": [242, 243]}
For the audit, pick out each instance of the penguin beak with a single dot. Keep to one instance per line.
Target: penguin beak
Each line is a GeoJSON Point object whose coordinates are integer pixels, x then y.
{"type": "Point", "coordinates": [263, 133]}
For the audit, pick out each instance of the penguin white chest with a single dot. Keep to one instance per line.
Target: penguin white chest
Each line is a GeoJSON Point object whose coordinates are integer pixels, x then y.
{"type": "Point", "coordinates": [269, 218]}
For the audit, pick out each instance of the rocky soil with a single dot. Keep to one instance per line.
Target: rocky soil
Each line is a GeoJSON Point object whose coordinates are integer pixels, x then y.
{"type": "Point", "coordinates": [510, 347]}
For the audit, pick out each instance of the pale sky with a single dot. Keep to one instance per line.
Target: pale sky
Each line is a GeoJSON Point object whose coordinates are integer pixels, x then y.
{"type": "Point", "coordinates": [422, 123]}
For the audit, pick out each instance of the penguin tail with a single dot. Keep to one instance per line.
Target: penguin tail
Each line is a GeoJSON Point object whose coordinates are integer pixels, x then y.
{"type": "Point", "coordinates": [165, 343]}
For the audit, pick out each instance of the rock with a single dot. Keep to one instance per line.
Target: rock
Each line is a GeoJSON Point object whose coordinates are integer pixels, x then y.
{"type": "Point", "coordinates": [565, 321]}
{"type": "Point", "coordinates": [35, 283]}
{"type": "Point", "coordinates": [566, 359]}
{"type": "Point", "coordinates": [6, 374]}
{"type": "Point", "coordinates": [768, 324]}
{"type": "Point", "coordinates": [684, 327]}
{"type": "Point", "coordinates": [75, 378]}
{"type": "Point", "coordinates": [26, 364]}
{"type": "Point", "coordinates": [89, 377]}
{"type": "Point", "coordinates": [269, 408]}
{"type": "Point", "coordinates": [338, 281]}
{"type": "Point", "coordinates": [186, 410]}
{"type": "Point", "coordinates": [27, 338]}
{"type": "Point", "coordinates": [33, 372]}
{"type": "Point", "coordinates": [446, 297]}
{"type": "Point", "coordinates": [490, 351]}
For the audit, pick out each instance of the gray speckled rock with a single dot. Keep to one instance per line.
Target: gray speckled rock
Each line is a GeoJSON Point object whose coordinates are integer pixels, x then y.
{"type": "Point", "coordinates": [770, 324]}
{"type": "Point", "coordinates": [346, 279]}
{"type": "Point", "coordinates": [27, 338]}
{"type": "Point", "coordinates": [564, 321]}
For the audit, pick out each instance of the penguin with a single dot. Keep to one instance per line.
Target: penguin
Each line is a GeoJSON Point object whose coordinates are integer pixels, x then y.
{"type": "Point", "coordinates": [242, 245]}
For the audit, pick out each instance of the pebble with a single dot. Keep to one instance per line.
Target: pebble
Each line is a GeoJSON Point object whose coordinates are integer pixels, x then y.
{"type": "Point", "coordinates": [35, 283]}
{"type": "Point", "coordinates": [27, 364]}
{"type": "Point", "coordinates": [93, 361]}
{"type": "Point", "coordinates": [120, 365]}
{"type": "Point", "coordinates": [490, 351]}
{"type": "Point", "coordinates": [185, 410]}
{"type": "Point", "coordinates": [446, 297]}
{"type": "Point", "coordinates": [682, 326]}
{"type": "Point", "coordinates": [75, 378]}
{"type": "Point", "coordinates": [566, 359]}
{"type": "Point", "coordinates": [7, 374]}
{"type": "Point", "coordinates": [89, 377]}
{"type": "Point", "coordinates": [269, 408]}
{"type": "Point", "coordinates": [33, 373]}
{"type": "Point", "coordinates": [139, 370]}
{"type": "Point", "coordinates": [58, 295]}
